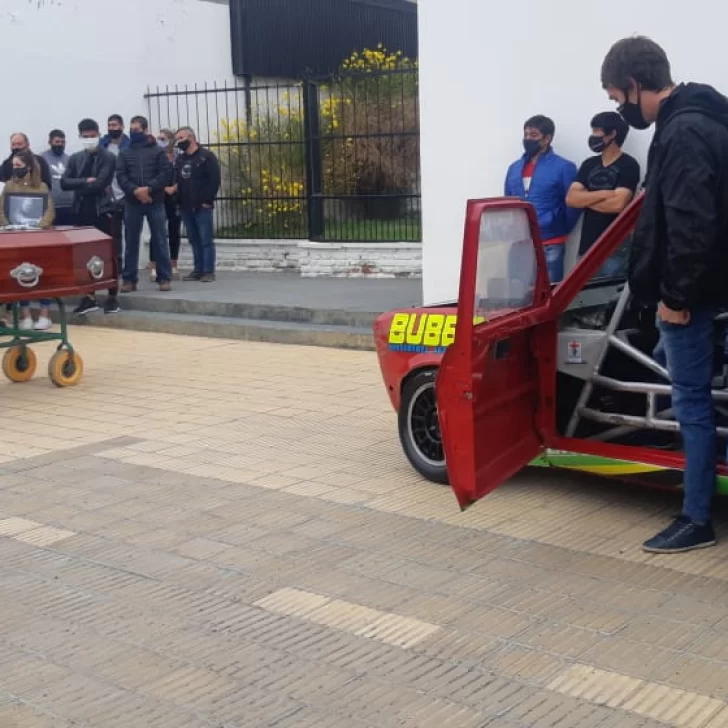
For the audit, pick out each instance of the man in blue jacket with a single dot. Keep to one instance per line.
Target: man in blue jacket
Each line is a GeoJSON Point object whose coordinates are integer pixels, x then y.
{"type": "Point", "coordinates": [543, 178]}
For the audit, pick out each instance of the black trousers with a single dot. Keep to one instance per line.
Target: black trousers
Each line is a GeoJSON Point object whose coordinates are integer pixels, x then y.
{"type": "Point", "coordinates": [174, 224]}
{"type": "Point", "coordinates": [107, 224]}
{"type": "Point", "coordinates": [64, 216]}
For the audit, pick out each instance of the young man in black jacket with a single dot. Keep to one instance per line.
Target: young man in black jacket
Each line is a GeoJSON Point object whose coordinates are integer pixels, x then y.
{"type": "Point", "coordinates": [198, 181]}
{"type": "Point", "coordinates": [89, 175]}
{"type": "Point", "coordinates": [143, 171]}
{"type": "Point", "coordinates": [679, 256]}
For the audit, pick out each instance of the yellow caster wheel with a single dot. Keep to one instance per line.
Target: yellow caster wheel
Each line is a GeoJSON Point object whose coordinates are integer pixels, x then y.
{"type": "Point", "coordinates": [65, 369]}
{"type": "Point", "coordinates": [19, 363]}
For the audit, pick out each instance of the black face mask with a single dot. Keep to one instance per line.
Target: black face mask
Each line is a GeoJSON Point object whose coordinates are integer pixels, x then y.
{"type": "Point", "coordinates": [58, 149]}
{"type": "Point", "coordinates": [532, 147]}
{"type": "Point", "coordinates": [597, 144]}
{"type": "Point", "coordinates": [184, 145]}
{"type": "Point", "coordinates": [15, 151]}
{"type": "Point", "coordinates": [632, 113]}
{"type": "Point", "coordinates": [20, 172]}
{"type": "Point", "coordinates": [115, 133]}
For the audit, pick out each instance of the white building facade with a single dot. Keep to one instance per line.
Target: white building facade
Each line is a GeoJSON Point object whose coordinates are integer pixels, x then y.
{"type": "Point", "coordinates": [486, 67]}
{"type": "Point", "coordinates": [65, 60]}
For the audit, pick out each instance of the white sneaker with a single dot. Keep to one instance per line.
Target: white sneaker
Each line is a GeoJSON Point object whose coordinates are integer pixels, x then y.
{"type": "Point", "coordinates": [26, 324]}
{"type": "Point", "coordinates": [43, 323]}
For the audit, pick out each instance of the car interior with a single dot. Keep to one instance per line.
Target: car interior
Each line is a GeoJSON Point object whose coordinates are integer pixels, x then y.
{"type": "Point", "coordinates": [612, 385]}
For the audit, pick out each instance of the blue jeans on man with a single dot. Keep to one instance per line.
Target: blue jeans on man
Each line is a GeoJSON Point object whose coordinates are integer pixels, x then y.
{"type": "Point", "coordinates": [688, 352]}
{"type": "Point", "coordinates": [198, 224]}
{"type": "Point", "coordinates": [134, 215]}
{"type": "Point", "coordinates": [554, 255]}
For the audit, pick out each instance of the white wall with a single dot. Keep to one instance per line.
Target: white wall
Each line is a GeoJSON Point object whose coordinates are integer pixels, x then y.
{"type": "Point", "coordinates": [487, 66]}
{"type": "Point", "coordinates": [67, 59]}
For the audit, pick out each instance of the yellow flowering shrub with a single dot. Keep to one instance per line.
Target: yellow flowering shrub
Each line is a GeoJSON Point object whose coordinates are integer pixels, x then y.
{"type": "Point", "coordinates": [368, 135]}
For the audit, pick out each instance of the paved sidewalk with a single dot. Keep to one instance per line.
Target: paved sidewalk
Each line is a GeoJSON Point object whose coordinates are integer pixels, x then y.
{"type": "Point", "coordinates": [368, 295]}
{"type": "Point", "coordinates": [210, 534]}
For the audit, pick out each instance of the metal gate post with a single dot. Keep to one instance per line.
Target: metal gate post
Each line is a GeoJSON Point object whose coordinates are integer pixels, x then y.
{"type": "Point", "coordinates": [314, 170]}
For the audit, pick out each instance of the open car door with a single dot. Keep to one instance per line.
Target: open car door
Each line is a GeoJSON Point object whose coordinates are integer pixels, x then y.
{"type": "Point", "coordinates": [496, 384]}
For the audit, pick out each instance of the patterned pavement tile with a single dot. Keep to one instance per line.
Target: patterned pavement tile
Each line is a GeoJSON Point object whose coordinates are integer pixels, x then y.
{"type": "Point", "coordinates": [185, 543]}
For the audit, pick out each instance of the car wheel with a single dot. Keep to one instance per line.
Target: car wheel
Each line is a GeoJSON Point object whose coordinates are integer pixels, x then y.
{"type": "Point", "coordinates": [419, 427]}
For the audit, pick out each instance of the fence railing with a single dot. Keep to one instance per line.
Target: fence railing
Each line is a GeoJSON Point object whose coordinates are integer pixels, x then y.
{"type": "Point", "coordinates": [326, 159]}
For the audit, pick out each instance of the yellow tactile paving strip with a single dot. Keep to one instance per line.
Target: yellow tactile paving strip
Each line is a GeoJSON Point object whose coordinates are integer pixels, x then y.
{"type": "Point", "coordinates": [674, 707]}
{"type": "Point", "coordinates": [392, 629]}
{"type": "Point", "coordinates": [32, 532]}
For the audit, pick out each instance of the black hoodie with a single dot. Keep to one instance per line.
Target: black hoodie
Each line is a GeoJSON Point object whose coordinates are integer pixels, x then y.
{"type": "Point", "coordinates": [679, 252]}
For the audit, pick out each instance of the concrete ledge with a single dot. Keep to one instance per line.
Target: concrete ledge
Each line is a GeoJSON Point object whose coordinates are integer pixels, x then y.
{"type": "Point", "coordinates": [242, 310]}
{"type": "Point", "coordinates": [221, 327]}
{"type": "Point", "coordinates": [313, 259]}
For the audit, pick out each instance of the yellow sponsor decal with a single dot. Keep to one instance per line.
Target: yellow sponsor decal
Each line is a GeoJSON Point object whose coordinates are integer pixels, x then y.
{"type": "Point", "coordinates": [423, 331]}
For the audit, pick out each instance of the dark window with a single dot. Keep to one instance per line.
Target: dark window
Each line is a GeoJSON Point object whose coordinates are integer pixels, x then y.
{"type": "Point", "coordinates": [293, 38]}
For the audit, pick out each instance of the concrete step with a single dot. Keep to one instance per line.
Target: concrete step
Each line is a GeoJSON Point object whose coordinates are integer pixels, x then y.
{"type": "Point", "coordinates": [230, 327]}
{"type": "Point", "coordinates": [179, 304]}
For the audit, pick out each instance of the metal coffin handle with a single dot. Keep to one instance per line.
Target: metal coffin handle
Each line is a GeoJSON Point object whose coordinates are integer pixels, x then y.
{"type": "Point", "coordinates": [95, 268]}
{"type": "Point", "coordinates": [27, 275]}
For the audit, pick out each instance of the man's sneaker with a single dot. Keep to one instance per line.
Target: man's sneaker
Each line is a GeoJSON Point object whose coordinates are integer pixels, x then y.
{"type": "Point", "coordinates": [682, 535]}
{"type": "Point", "coordinates": [128, 287]}
{"type": "Point", "coordinates": [207, 277]}
{"type": "Point", "coordinates": [152, 274]}
{"type": "Point", "coordinates": [26, 324]}
{"type": "Point", "coordinates": [87, 305]}
{"type": "Point", "coordinates": [165, 286]}
{"type": "Point", "coordinates": [192, 276]}
{"type": "Point", "coordinates": [43, 323]}
{"type": "Point", "coordinates": [111, 305]}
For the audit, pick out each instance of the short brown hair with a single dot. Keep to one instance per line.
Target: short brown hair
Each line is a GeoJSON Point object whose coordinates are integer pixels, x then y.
{"type": "Point", "coordinates": [637, 58]}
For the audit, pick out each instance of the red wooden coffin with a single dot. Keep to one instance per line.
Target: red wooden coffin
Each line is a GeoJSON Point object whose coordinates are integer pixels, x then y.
{"type": "Point", "coordinates": [55, 263]}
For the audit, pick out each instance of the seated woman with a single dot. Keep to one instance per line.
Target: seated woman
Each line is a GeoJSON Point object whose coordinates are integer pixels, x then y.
{"type": "Point", "coordinates": [26, 200]}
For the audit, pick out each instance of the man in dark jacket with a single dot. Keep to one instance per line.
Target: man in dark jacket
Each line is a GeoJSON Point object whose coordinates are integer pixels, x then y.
{"type": "Point", "coordinates": [679, 256]}
{"type": "Point", "coordinates": [19, 142]}
{"type": "Point", "coordinates": [198, 181]}
{"type": "Point", "coordinates": [114, 141]}
{"type": "Point", "coordinates": [88, 176]}
{"type": "Point", "coordinates": [143, 171]}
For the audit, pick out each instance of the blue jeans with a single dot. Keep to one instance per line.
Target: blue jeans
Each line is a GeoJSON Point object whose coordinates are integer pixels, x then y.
{"type": "Point", "coordinates": [615, 266]}
{"type": "Point", "coordinates": [134, 215]}
{"type": "Point", "coordinates": [198, 224]}
{"type": "Point", "coordinates": [554, 255]}
{"type": "Point", "coordinates": [42, 302]}
{"type": "Point", "coordinates": [688, 351]}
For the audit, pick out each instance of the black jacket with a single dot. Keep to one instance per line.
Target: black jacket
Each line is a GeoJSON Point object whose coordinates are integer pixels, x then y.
{"type": "Point", "coordinates": [144, 164]}
{"type": "Point", "coordinates": [679, 251]}
{"type": "Point", "coordinates": [6, 171]}
{"type": "Point", "coordinates": [101, 165]}
{"type": "Point", "coordinates": [198, 179]}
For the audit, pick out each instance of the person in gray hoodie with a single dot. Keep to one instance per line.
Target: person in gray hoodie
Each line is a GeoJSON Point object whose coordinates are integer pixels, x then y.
{"type": "Point", "coordinates": [57, 160]}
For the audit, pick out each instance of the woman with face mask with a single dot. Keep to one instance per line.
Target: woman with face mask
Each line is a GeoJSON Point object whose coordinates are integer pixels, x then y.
{"type": "Point", "coordinates": [26, 200]}
{"type": "Point", "coordinates": [165, 139]}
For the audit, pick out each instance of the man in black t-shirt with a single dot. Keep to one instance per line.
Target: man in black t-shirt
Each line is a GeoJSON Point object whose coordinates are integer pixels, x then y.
{"type": "Point", "coordinates": [605, 185]}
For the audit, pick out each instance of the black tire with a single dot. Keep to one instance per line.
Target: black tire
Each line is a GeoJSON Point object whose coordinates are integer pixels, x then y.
{"type": "Point", "coordinates": [419, 428]}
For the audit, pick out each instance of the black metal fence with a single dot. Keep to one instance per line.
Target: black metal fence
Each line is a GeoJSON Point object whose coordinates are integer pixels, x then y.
{"type": "Point", "coordinates": [333, 159]}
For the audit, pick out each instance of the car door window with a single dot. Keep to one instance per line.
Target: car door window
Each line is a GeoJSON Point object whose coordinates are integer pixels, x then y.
{"type": "Point", "coordinates": [506, 268]}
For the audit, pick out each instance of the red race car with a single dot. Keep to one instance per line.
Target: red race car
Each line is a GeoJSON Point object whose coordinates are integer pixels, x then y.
{"type": "Point", "coordinates": [520, 372]}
